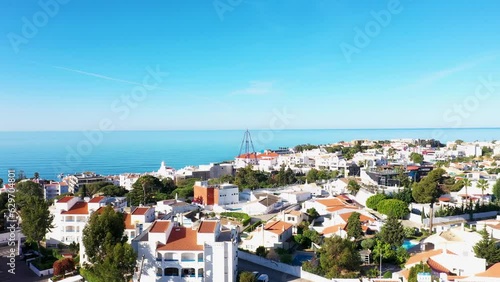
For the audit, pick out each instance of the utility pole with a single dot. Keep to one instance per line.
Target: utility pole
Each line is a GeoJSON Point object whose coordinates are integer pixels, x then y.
{"type": "Point", "coordinates": [140, 269]}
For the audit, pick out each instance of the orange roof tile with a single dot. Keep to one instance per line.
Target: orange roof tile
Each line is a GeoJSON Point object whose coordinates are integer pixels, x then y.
{"type": "Point", "coordinates": [140, 211]}
{"type": "Point", "coordinates": [128, 221]}
{"type": "Point", "coordinates": [333, 229]}
{"type": "Point", "coordinates": [277, 227]}
{"type": "Point", "coordinates": [423, 256]}
{"type": "Point", "coordinates": [493, 271]}
{"type": "Point", "coordinates": [207, 227]}
{"type": "Point", "coordinates": [78, 208]}
{"type": "Point", "coordinates": [181, 239]}
{"type": "Point", "coordinates": [65, 199]}
{"type": "Point", "coordinates": [405, 273]}
{"type": "Point", "coordinates": [267, 155]}
{"type": "Point", "coordinates": [160, 226]}
{"type": "Point", "coordinates": [97, 199]}
{"type": "Point", "coordinates": [437, 266]}
{"type": "Point", "coordinates": [247, 156]}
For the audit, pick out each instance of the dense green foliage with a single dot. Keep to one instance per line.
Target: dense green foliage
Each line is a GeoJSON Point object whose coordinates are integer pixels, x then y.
{"type": "Point", "coordinates": [393, 207]}
{"type": "Point", "coordinates": [36, 219]}
{"type": "Point", "coordinates": [416, 158]}
{"type": "Point", "coordinates": [353, 186]}
{"type": "Point", "coordinates": [354, 229]}
{"type": "Point", "coordinates": [373, 201]}
{"type": "Point", "coordinates": [487, 248]}
{"type": "Point", "coordinates": [111, 257]}
{"type": "Point", "coordinates": [392, 232]}
{"type": "Point", "coordinates": [346, 264]}
{"type": "Point", "coordinates": [25, 190]}
{"type": "Point", "coordinates": [261, 251]}
{"type": "Point", "coordinates": [428, 189]}
{"type": "Point", "coordinates": [496, 190]}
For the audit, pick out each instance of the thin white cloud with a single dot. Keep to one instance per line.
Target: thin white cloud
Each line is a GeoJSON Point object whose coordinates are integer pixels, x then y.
{"type": "Point", "coordinates": [103, 76]}
{"type": "Point", "coordinates": [255, 88]}
{"type": "Point", "coordinates": [444, 73]}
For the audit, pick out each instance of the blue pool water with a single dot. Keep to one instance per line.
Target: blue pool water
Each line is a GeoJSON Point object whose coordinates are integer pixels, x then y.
{"type": "Point", "coordinates": [407, 244]}
{"type": "Point", "coordinates": [300, 258]}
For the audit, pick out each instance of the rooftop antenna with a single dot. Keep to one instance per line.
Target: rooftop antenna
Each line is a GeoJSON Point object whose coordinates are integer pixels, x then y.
{"type": "Point", "coordinates": [246, 145]}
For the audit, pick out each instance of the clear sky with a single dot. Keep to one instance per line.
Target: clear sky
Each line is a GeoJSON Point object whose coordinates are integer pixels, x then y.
{"type": "Point", "coordinates": [238, 65]}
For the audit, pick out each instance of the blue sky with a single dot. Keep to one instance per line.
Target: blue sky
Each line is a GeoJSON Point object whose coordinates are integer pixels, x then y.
{"type": "Point", "coordinates": [237, 68]}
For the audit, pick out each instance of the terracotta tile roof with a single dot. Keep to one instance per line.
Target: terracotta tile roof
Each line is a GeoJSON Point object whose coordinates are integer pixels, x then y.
{"type": "Point", "coordinates": [493, 271]}
{"type": "Point", "coordinates": [332, 202]}
{"type": "Point", "coordinates": [405, 273]}
{"type": "Point", "coordinates": [333, 229]}
{"type": "Point", "coordinates": [181, 239]}
{"type": "Point", "coordinates": [267, 155]}
{"type": "Point", "coordinates": [207, 227]}
{"type": "Point", "coordinates": [65, 199]}
{"type": "Point", "coordinates": [140, 211]}
{"type": "Point", "coordinates": [362, 217]}
{"type": "Point", "coordinates": [423, 256]}
{"type": "Point", "coordinates": [247, 156]}
{"type": "Point", "coordinates": [100, 210]}
{"type": "Point", "coordinates": [277, 227]}
{"type": "Point", "coordinates": [296, 213]}
{"type": "Point", "coordinates": [78, 208]}
{"type": "Point", "coordinates": [160, 226]}
{"type": "Point", "coordinates": [128, 221]}
{"type": "Point", "coordinates": [96, 199]}
{"type": "Point", "coordinates": [434, 265]}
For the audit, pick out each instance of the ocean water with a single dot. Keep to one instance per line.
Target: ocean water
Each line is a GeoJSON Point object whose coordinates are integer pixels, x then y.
{"type": "Point", "coordinates": [52, 153]}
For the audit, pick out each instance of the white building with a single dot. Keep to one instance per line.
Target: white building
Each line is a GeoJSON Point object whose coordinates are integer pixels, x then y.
{"type": "Point", "coordinates": [138, 220]}
{"type": "Point", "coordinates": [171, 252]}
{"type": "Point", "coordinates": [54, 189]}
{"type": "Point", "coordinates": [294, 197]}
{"type": "Point", "coordinates": [164, 172]}
{"type": "Point", "coordinates": [273, 235]}
{"type": "Point", "coordinates": [228, 194]}
{"type": "Point", "coordinates": [128, 179]}
{"type": "Point", "coordinates": [70, 216]}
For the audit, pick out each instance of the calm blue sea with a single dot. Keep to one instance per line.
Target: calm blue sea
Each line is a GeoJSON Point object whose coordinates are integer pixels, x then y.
{"type": "Point", "coordinates": [51, 153]}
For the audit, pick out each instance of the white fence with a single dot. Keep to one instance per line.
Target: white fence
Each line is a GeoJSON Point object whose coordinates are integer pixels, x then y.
{"type": "Point", "coordinates": [41, 273]}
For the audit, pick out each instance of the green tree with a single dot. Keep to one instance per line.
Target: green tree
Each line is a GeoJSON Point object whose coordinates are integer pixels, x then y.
{"type": "Point", "coordinates": [261, 251]}
{"type": "Point", "coordinates": [36, 175]}
{"type": "Point", "coordinates": [111, 257]}
{"type": "Point", "coordinates": [428, 189]}
{"type": "Point", "coordinates": [354, 229]}
{"type": "Point", "coordinates": [312, 175]}
{"type": "Point", "coordinates": [496, 190]}
{"type": "Point", "coordinates": [392, 232]}
{"type": "Point", "coordinates": [312, 235]}
{"type": "Point", "coordinates": [36, 219]}
{"type": "Point", "coordinates": [368, 243]}
{"type": "Point", "coordinates": [353, 186]}
{"type": "Point", "coordinates": [1, 182]}
{"type": "Point", "coordinates": [112, 190]}
{"type": "Point", "coordinates": [246, 276]}
{"type": "Point", "coordinates": [168, 185]}
{"type": "Point", "coordinates": [25, 190]}
{"type": "Point", "coordinates": [483, 185]}
{"type": "Point", "coordinates": [312, 213]}
{"type": "Point", "coordinates": [347, 260]}
{"type": "Point", "coordinates": [416, 158]}
{"type": "Point", "coordinates": [487, 248]}
{"type": "Point", "coordinates": [457, 186]}
{"type": "Point", "coordinates": [393, 207]}
{"type": "Point", "coordinates": [372, 201]}
{"type": "Point", "coordinates": [467, 184]}
{"type": "Point", "coordinates": [144, 189]}
{"type": "Point", "coordinates": [459, 142]}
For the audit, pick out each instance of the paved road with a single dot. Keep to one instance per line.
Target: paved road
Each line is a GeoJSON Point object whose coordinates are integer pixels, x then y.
{"type": "Point", "coordinates": [274, 275]}
{"type": "Point", "coordinates": [22, 271]}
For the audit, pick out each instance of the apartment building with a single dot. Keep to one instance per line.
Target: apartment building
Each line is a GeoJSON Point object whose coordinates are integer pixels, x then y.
{"type": "Point", "coordinates": [168, 251]}
{"type": "Point", "coordinates": [54, 189]}
{"type": "Point", "coordinates": [225, 194]}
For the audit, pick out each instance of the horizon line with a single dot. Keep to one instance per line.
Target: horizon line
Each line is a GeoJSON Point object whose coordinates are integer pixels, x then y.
{"type": "Point", "coordinates": [256, 129]}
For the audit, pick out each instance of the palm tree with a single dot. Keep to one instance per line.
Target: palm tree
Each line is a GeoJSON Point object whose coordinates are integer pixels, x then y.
{"type": "Point", "coordinates": [467, 183]}
{"type": "Point", "coordinates": [483, 185]}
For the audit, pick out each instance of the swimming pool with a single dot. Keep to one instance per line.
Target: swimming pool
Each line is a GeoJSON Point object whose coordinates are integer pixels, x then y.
{"type": "Point", "coordinates": [300, 258]}
{"type": "Point", "coordinates": [407, 244]}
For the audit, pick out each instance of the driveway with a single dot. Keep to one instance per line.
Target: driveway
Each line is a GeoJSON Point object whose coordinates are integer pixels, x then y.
{"type": "Point", "coordinates": [274, 275]}
{"type": "Point", "coordinates": [22, 271]}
